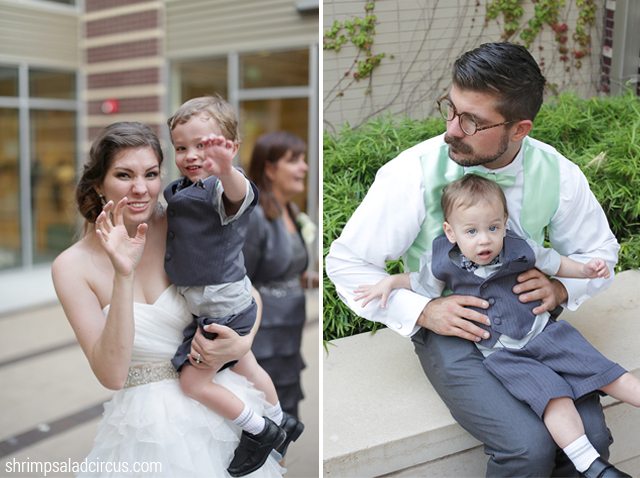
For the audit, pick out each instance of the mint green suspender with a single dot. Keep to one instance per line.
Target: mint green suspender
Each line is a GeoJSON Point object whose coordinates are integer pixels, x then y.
{"type": "Point", "coordinates": [540, 200]}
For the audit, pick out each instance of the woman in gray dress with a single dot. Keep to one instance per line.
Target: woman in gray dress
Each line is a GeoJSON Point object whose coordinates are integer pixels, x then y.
{"type": "Point", "coordinates": [276, 260]}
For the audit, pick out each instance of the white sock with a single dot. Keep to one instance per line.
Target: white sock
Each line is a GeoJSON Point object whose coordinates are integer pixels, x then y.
{"type": "Point", "coordinates": [250, 421]}
{"type": "Point", "coordinates": [581, 453]}
{"type": "Point", "coordinates": [274, 413]}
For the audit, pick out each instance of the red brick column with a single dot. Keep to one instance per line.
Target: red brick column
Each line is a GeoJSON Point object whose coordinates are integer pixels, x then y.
{"type": "Point", "coordinates": [123, 62]}
{"type": "Point", "coordinates": [607, 49]}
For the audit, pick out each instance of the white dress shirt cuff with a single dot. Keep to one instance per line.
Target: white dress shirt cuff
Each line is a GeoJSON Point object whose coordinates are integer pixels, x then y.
{"type": "Point", "coordinates": [401, 314]}
{"type": "Point", "coordinates": [579, 290]}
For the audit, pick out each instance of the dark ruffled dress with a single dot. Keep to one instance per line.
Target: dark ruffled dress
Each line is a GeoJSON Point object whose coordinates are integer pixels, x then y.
{"type": "Point", "coordinates": [275, 259]}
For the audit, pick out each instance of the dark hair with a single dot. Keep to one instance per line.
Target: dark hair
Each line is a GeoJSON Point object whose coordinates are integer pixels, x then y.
{"type": "Point", "coordinates": [507, 71]}
{"type": "Point", "coordinates": [468, 190]}
{"type": "Point", "coordinates": [215, 107]}
{"type": "Point", "coordinates": [113, 139]}
{"type": "Point", "coordinates": [269, 148]}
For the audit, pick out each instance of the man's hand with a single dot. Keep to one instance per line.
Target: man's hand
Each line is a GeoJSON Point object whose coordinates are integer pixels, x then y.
{"type": "Point", "coordinates": [450, 316]}
{"type": "Point", "coordinates": [534, 285]}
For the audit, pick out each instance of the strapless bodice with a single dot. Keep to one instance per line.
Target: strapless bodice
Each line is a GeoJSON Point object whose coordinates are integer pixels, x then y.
{"type": "Point", "coordinates": [158, 327]}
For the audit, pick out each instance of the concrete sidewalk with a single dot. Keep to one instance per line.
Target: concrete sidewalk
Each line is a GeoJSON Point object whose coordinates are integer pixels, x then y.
{"type": "Point", "coordinates": [51, 402]}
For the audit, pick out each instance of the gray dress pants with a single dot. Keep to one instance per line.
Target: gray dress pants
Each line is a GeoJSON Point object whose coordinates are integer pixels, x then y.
{"type": "Point", "coordinates": [515, 438]}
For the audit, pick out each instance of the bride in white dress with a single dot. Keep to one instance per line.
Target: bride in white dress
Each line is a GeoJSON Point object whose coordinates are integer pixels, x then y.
{"type": "Point", "coordinates": [128, 320]}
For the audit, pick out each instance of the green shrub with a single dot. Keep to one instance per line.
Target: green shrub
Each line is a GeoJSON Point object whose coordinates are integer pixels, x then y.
{"type": "Point", "coordinates": [601, 135]}
{"type": "Point", "coordinates": [350, 162]}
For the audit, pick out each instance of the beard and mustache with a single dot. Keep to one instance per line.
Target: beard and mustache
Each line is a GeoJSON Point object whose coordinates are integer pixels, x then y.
{"type": "Point", "coordinates": [472, 158]}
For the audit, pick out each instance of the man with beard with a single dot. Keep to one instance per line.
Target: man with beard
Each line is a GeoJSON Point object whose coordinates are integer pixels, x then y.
{"type": "Point", "coordinates": [496, 92]}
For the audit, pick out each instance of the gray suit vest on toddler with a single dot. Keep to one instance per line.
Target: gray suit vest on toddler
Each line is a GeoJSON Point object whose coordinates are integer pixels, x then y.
{"type": "Point", "coordinates": [508, 316]}
{"type": "Point", "coordinates": [201, 250]}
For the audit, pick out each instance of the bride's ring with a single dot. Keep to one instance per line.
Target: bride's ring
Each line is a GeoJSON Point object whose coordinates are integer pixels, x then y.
{"type": "Point", "coordinates": [198, 358]}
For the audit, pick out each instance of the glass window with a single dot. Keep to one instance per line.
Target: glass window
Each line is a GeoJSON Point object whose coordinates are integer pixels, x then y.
{"type": "Point", "coordinates": [10, 251]}
{"type": "Point", "coordinates": [202, 78]}
{"type": "Point", "coordinates": [64, 2]}
{"type": "Point", "coordinates": [52, 84]}
{"type": "Point", "coordinates": [8, 81]}
{"type": "Point", "coordinates": [263, 116]}
{"type": "Point", "coordinates": [53, 177]}
{"type": "Point", "coordinates": [274, 69]}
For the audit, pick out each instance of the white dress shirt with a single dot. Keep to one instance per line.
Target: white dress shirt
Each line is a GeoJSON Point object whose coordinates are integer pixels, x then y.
{"type": "Point", "coordinates": [389, 218]}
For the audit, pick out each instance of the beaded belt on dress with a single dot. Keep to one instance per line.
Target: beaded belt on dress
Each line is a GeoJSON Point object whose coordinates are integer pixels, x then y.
{"type": "Point", "coordinates": [149, 372]}
{"type": "Point", "coordinates": [279, 288]}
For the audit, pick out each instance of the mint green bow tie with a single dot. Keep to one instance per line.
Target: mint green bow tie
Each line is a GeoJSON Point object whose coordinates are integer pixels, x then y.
{"type": "Point", "coordinates": [503, 180]}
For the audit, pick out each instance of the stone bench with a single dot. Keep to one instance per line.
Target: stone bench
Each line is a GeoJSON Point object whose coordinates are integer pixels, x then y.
{"type": "Point", "coordinates": [381, 416]}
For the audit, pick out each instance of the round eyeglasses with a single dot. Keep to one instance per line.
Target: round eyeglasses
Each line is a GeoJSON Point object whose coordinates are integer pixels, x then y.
{"type": "Point", "coordinates": [467, 122]}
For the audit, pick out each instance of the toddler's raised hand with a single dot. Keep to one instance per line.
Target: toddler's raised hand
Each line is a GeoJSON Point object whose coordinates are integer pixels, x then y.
{"type": "Point", "coordinates": [219, 153]}
{"type": "Point", "coordinates": [596, 268]}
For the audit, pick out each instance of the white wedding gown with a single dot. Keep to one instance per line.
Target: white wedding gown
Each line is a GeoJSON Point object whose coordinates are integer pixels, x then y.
{"type": "Point", "coordinates": [155, 422]}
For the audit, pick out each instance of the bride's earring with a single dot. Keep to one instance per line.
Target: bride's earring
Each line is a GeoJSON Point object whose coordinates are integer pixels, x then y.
{"type": "Point", "coordinates": [103, 201]}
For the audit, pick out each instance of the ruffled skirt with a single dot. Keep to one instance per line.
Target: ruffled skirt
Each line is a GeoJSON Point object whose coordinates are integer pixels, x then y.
{"type": "Point", "coordinates": [154, 430]}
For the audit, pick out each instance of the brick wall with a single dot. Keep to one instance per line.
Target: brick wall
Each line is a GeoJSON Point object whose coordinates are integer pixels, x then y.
{"type": "Point", "coordinates": [125, 23]}
{"type": "Point", "coordinates": [140, 76]}
{"type": "Point", "coordinates": [123, 59]}
{"type": "Point", "coordinates": [607, 47]}
{"type": "Point", "coordinates": [96, 5]}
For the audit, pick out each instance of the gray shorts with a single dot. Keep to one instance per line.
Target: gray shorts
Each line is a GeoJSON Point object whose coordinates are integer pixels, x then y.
{"type": "Point", "coordinates": [559, 362]}
{"type": "Point", "coordinates": [242, 322]}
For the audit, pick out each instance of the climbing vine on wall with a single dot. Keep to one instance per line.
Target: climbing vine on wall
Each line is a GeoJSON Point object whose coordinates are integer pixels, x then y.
{"type": "Point", "coordinates": [360, 32]}
{"type": "Point", "coordinates": [547, 13]}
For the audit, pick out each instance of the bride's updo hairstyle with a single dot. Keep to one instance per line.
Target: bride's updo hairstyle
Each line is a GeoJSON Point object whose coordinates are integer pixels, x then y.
{"type": "Point", "coordinates": [113, 139]}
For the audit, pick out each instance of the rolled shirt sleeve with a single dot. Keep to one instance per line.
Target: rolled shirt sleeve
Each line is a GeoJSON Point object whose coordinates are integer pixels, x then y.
{"type": "Point", "coordinates": [248, 199]}
{"type": "Point", "coordinates": [547, 260]}
{"type": "Point", "coordinates": [580, 230]}
{"type": "Point", "coordinates": [424, 282]}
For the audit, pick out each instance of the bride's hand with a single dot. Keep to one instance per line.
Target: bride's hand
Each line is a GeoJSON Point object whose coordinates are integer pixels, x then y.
{"type": "Point", "coordinates": [225, 347]}
{"type": "Point", "coordinates": [123, 251]}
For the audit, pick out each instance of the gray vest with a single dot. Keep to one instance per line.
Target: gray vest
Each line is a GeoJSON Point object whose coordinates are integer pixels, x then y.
{"type": "Point", "coordinates": [507, 314]}
{"type": "Point", "coordinates": [200, 250]}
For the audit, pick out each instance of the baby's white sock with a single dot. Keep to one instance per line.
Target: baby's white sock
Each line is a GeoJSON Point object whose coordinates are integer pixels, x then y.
{"type": "Point", "coordinates": [250, 421]}
{"type": "Point", "coordinates": [274, 413]}
{"type": "Point", "coordinates": [581, 453]}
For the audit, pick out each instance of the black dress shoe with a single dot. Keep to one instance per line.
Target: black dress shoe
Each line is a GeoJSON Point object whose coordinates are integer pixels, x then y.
{"type": "Point", "coordinates": [293, 428]}
{"type": "Point", "coordinates": [603, 469]}
{"type": "Point", "coordinates": [253, 450]}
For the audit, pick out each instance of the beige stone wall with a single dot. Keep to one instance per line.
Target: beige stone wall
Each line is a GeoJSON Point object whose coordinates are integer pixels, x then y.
{"type": "Point", "coordinates": [39, 33]}
{"type": "Point", "coordinates": [203, 27]}
{"type": "Point", "coordinates": [421, 39]}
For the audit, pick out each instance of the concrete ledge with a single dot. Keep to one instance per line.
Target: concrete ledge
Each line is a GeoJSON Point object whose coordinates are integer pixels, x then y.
{"type": "Point", "coordinates": [381, 416]}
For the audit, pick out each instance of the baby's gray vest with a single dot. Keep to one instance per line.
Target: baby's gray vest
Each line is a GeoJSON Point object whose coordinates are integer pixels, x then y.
{"type": "Point", "coordinates": [200, 250]}
{"type": "Point", "coordinates": [507, 314]}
